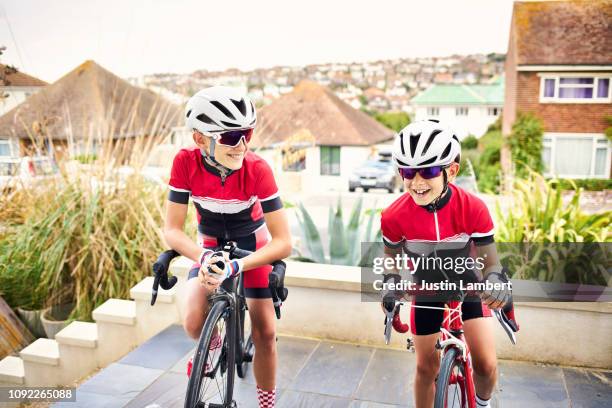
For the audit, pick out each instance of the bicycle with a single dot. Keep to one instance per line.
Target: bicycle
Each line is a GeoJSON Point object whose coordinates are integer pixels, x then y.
{"type": "Point", "coordinates": [455, 383]}
{"type": "Point", "coordinates": [213, 386]}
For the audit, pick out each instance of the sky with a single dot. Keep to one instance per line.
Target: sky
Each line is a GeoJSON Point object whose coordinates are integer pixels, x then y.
{"type": "Point", "coordinates": [47, 39]}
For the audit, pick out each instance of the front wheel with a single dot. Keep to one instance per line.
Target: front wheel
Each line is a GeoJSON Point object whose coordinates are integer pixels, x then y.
{"type": "Point", "coordinates": [212, 377]}
{"type": "Point", "coordinates": [451, 385]}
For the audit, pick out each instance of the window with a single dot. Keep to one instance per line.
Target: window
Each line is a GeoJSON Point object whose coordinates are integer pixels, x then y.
{"type": "Point", "coordinates": [462, 111]}
{"type": "Point", "coordinates": [493, 111]}
{"type": "Point", "coordinates": [5, 147]}
{"type": "Point", "coordinates": [431, 111]}
{"type": "Point", "coordinates": [576, 156]}
{"type": "Point", "coordinates": [575, 89]}
{"type": "Point", "coordinates": [330, 160]}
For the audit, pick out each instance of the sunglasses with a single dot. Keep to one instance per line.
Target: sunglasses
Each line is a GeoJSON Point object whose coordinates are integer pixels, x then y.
{"type": "Point", "coordinates": [233, 137]}
{"type": "Point", "coordinates": [426, 172]}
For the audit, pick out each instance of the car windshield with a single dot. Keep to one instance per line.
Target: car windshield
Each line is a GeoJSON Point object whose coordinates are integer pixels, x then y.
{"type": "Point", "coordinates": [377, 164]}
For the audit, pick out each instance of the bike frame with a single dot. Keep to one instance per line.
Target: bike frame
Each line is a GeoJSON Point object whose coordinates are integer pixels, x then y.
{"type": "Point", "coordinates": [453, 336]}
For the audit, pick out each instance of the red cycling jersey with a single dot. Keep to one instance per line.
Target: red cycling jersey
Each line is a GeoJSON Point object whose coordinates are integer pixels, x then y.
{"type": "Point", "coordinates": [227, 208]}
{"type": "Point", "coordinates": [451, 227]}
{"type": "Point", "coordinates": [458, 219]}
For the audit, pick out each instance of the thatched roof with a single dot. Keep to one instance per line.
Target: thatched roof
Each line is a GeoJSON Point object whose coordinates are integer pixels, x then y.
{"type": "Point", "coordinates": [572, 32]}
{"type": "Point", "coordinates": [18, 78]}
{"type": "Point", "coordinates": [314, 109]}
{"type": "Point", "coordinates": [89, 102]}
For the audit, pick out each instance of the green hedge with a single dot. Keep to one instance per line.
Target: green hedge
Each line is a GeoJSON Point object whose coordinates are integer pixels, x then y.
{"type": "Point", "coordinates": [586, 184]}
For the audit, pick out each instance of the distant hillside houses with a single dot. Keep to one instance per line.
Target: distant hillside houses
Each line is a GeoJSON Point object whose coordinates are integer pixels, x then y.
{"type": "Point", "coordinates": [469, 108]}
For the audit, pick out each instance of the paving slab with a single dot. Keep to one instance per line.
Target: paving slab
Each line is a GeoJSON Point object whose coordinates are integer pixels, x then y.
{"type": "Point", "coordinates": [120, 380]}
{"type": "Point", "coordinates": [297, 399]}
{"type": "Point", "coordinates": [370, 404]}
{"type": "Point", "coordinates": [588, 388]}
{"type": "Point", "coordinates": [181, 365]}
{"type": "Point", "coordinates": [162, 350]}
{"type": "Point", "coordinates": [334, 369]}
{"type": "Point", "coordinates": [527, 385]}
{"type": "Point", "coordinates": [168, 391]}
{"type": "Point", "coordinates": [388, 378]}
{"type": "Point", "coordinates": [94, 400]}
{"type": "Point", "coordinates": [292, 355]}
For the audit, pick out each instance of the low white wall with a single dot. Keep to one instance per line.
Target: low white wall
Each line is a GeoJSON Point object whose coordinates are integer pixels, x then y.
{"type": "Point", "coordinates": [325, 302]}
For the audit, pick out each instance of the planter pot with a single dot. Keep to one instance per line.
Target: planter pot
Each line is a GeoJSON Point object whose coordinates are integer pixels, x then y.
{"type": "Point", "coordinates": [32, 320]}
{"type": "Point", "coordinates": [55, 318]}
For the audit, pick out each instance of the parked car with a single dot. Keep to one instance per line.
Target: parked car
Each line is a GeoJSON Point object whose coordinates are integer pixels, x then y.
{"type": "Point", "coordinates": [376, 174]}
{"type": "Point", "coordinates": [16, 172]}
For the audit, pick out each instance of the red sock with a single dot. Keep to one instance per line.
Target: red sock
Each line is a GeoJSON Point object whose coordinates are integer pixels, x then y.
{"type": "Point", "coordinates": [266, 398]}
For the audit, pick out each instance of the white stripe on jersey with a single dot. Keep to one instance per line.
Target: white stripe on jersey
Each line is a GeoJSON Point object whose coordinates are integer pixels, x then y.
{"type": "Point", "coordinates": [180, 190]}
{"type": "Point", "coordinates": [219, 206]}
{"type": "Point", "coordinates": [270, 198]}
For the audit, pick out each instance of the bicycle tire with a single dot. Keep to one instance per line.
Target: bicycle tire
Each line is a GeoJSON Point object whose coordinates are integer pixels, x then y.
{"type": "Point", "coordinates": [450, 361]}
{"type": "Point", "coordinates": [223, 368]}
{"type": "Point", "coordinates": [245, 346]}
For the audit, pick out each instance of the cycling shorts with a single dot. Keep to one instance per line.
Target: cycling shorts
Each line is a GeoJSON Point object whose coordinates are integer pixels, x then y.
{"type": "Point", "coordinates": [255, 280]}
{"type": "Point", "coordinates": [428, 321]}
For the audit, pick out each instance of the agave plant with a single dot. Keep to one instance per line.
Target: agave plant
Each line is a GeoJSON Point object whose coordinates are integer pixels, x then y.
{"type": "Point", "coordinates": [549, 240]}
{"type": "Point", "coordinates": [344, 246]}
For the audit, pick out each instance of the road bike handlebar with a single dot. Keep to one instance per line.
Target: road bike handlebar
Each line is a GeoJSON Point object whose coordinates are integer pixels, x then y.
{"type": "Point", "coordinates": [276, 278]}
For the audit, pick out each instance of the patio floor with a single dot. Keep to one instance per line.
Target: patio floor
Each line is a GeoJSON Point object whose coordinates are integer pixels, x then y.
{"type": "Point", "coordinates": [321, 374]}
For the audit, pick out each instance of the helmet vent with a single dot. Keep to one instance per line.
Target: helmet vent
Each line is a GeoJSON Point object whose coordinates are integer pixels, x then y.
{"type": "Point", "coordinates": [434, 120]}
{"type": "Point", "coordinates": [203, 118]}
{"type": "Point", "coordinates": [223, 109]}
{"type": "Point", "coordinates": [401, 163]}
{"type": "Point", "coordinates": [428, 161]}
{"type": "Point", "coordinates": [188, 113]}
{"type": "Point", "coordinates": [456, 138]}
{"type": "Point", "coordinates": [414, 140]}
{"type": "Point", "coordinates": [446, 151]}
{"type": "Point", "coordinates": [228, 124]}
{"type": "Point", "coordinates": [432, 136]}
{"type": "Point", "coordinates": [240, 105]}
{"type": "Point", "coordinates": [401, 135]}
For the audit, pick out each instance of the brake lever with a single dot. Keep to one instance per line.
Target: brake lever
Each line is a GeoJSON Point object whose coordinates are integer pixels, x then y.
{"type": "Point", "coordinates": [504, 325]}
{"type": "Point", "coordinates": [389, 321]}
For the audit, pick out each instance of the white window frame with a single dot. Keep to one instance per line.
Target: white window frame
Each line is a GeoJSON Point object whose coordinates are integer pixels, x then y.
{"type": "Point", "coordinates": [433, 111]}
{"type": "Point", "coordinates": [491, 109]}
{"type": "Point", "coordinates": [459, 111]}
{"type": "Point", "coordinates": [9, 143]}
{"type": "Point", "coordinates": [548, 140]}
{"type": "Point", "coordinates": [557, 76]}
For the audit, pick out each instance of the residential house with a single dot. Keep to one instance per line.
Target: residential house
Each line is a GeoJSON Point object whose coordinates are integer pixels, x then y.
{"type": "Point", "coordinates": [82, 111]}
{"type": "Point", "coordinates": [468, 108]}
{"type": "Point", "coordinates": [313, 140]}
{"type": "Point", "coordinates": [559, 67]}
{"type": "Point", "coordinates": [15, 87]}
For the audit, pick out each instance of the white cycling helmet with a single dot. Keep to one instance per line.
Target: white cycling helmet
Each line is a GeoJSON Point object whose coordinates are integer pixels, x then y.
{"type": "Point", "coordinates": [425, 143]}
{"type": "Point", "coordinates": [219, 109]}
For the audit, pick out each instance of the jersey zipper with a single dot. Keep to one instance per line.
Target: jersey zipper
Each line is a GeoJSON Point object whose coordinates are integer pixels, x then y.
{"type": "Point", "coordinates": [437, 226]}
{"type": "Point", "coordinates": [225, 232]}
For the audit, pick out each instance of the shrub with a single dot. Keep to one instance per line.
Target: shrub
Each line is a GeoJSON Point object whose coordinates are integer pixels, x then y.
{"type": "Point", "coordinates": [526, 144]}
{"type": "Point", "coordinates": [393, 120]}
{"type": "Point", "coordinates": [539, 216]}
{"type": "Point", "coordinates": [83, 244]}
{"type": "Point", "coordinates": [344, 240]}
{"type": "Point", "coordinates": [585, 184]}
{"type": "Point", "coordinates": [469, 143]}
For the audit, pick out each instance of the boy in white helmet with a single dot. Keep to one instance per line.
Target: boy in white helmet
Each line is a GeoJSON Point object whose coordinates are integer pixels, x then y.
{"type": "Point", "coordinates": [236, 199]}
{"type": "Point", "coordinates": [435, 214]}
